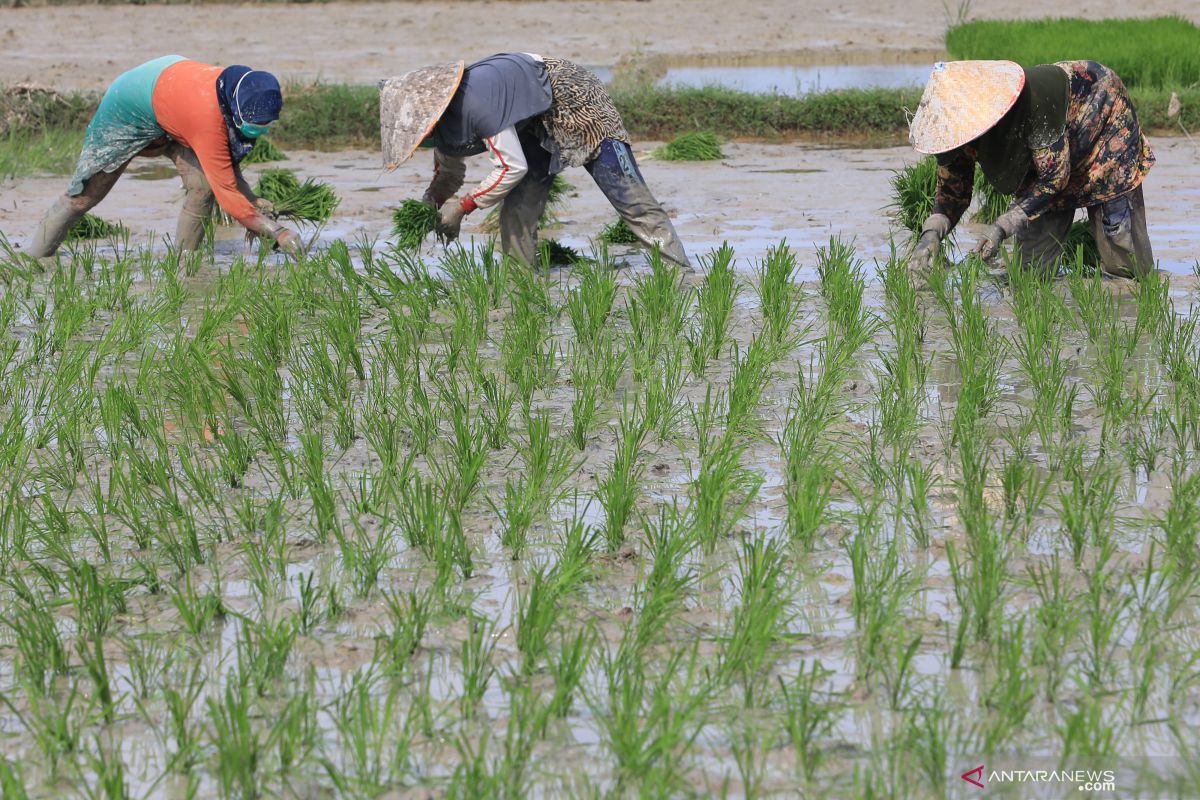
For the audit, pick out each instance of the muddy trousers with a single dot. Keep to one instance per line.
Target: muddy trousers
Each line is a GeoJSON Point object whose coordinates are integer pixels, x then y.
{"type": "Point", "coordinates": [67, 210]}
{"type": "Point", "coordinates": [1118, 226]}
{"type": "Point", "coordinates": [616, 173]}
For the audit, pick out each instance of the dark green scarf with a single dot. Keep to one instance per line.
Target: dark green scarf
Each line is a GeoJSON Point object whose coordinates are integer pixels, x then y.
{"type": "Point", "coordinates": [1038, 119]}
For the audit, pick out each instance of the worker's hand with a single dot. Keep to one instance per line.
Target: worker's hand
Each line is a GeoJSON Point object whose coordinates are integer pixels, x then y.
{"type": "Point", "coordinates": [265, 206]}
{"type": "Point", "coordinates": [926, 250]}
{"type": "Point", "coordinates": [450, 220]}
{"type": "Point", "coordinates": [431, 199]}
{"type": "Point", "coordinates": [289, 242]}
{"type": "Point", "coordinates": [933, 231]}
{"type": "Point", "coordinates": [989, 242]}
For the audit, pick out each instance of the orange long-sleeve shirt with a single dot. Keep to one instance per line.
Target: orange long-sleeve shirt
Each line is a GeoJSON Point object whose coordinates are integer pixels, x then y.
{"type": "Point", "coordinates": [185, 103]}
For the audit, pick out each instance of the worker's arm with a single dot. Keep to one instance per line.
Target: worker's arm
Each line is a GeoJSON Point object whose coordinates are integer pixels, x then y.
{"type": "Point", "coordinates": [508, 169]}
{"type": "Point", "coordinates": [1052, 168]}
{"type": "Point", "coordinates": [226, 182]}
{"type": "Point", "coordinates": [955, 184]}
{"type": "Point", "coordinates": [449, 172]}
{"type": "Point", "coordinates": [261, 203]}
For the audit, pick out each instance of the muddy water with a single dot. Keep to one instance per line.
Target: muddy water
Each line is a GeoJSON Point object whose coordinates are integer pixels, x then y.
{"type": "Point", "coordinates": [754, 197]}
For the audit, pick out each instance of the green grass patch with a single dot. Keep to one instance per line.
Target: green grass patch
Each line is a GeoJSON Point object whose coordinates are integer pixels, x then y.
{"type": "Point", "coordinates": [696, 146]}
{"type": "Point", "coordinates": [617, 232]}
{"type": "Point", "coordinates": [90, 226]}
{"type": "Point", "coordinates": [311, 200]}
{"type": "Point", "coordinates": [50, 151]}
{"type": "Point", "coordinates": [1158, 52]}
{"type": "Point", "coordinates": [328, 116]}
{"type": "Point", "coordinates": [264, 152]}
{"type": "Point", "coordinates": [412, 222]}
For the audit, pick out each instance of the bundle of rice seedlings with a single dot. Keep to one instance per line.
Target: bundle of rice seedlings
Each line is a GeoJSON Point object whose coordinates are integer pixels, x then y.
{"type": "Point", "coordinates": [313, 201]}
{"type": "Point", "coordinates": [1080, 235]}
{"type": "Point", "coordinates": [557, 254]}
{"type": "Point", "coordinates": [617, 233]}
{"type": "Point", "coordinates": [695, 146]}
{"type": "Point", "coordinates": [412, 222]}
{"type": "Point", "coordinates": [92, 227]}
{"type": "Point", "coordinates": [263, 152]}
{"type": "Point", "coordinates": [991, 203]}
{"type": "Point", "coordinates": [913, 190]}
{"type": "Point", "coordinates": [556, 198]}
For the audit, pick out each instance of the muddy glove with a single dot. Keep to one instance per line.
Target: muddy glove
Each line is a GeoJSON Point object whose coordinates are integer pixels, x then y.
{"type": "Point", "coordinates": [1006, 225]}
{"type": "Point", "coordinates": [989, 242]}
{"type": "Point", "coordinates": [265, 206]}
{"type": "Point", "coordinates": [289, 242]}
{"type": "Point", "coordinates": [932, 232]}
{"type": "Point", "coordinates": [451, 217]}
{"type": "Point", "coordinates": [431, 199]}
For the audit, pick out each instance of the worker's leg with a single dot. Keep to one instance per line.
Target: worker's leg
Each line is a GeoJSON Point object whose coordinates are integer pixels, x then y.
{"type": "Point", "coordinates": [1120, 230]}
{"type": "Point", "coordinates": [67, 210]}
{"type": "Point", "coordinates": [616, 173]}
{"type": "Point", "coordinates": [1041, 243]}
{"type": "Point", "coordinates": [521, 209]}
{"type": "Point", "coordinates": [197, 197]}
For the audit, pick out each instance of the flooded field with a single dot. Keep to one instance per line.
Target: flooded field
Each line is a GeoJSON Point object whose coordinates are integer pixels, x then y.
{"type": "Point", "coordinates": [755, 196]}
{"type": "Point", "coordinates": [362, 527]}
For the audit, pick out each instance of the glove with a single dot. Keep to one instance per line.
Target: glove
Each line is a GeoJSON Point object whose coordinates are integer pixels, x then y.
{"type": "Point", "coordinates": [265, 206]}
{"type": "Point", "coordinates": [431, 199]}
{"type": "Point", "coordinates": [289, 242]}
{"type": "Point", "coordinates": [450, 219]}
{"type": "Point", "coordinates": [923, 255]}
{"type": "Point", "coordinates": [932, 232]}
{"type": "Point", "coordinates": [989, 243]}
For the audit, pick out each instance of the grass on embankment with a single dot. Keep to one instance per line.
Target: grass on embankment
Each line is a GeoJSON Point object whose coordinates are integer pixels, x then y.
{"type": "Point", "coordinates": [338, 116]}
{"type": "Point", "coordinates": [1156, 52]}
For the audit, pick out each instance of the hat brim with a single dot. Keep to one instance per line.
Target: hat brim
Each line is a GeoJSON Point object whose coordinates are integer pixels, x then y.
{"type": "Point", "coordinates": [411, 105]}
{"type": "Point", "coordinates": [962, 101]}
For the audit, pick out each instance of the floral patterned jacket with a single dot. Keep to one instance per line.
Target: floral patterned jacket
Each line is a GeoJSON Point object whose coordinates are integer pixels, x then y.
{"type": "Point", "coordinates": [1101, 155]}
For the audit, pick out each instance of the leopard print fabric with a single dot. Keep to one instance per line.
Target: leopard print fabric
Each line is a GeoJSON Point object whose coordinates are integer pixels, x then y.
{"type": "Point", "coordinates": [582, 114]}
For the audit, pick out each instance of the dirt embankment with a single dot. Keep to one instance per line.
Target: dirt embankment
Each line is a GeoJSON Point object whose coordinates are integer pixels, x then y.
{"type": "Point", "coordinates": [84, 47]}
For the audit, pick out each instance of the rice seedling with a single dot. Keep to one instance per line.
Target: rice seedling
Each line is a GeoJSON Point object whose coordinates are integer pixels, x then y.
{"type": "Point", "coordinates": [373, 738]}
{"type": "Point", "coordinates": [650, 722]}
{"type": "Point", "coordinates": [412, 222]}
{"type": "Point", "coordinates": [760, 618]}
{"type": "Point", "coordinates": [553, 253]}
{"type": "Point", "coordinates": [722, 489]}
{"type": "Point", "coordinates": [657, 309]}
{"type": "Point", "coordinates": [714, 306]}
{"type": "Point", "coordinates": [778, 294]}
{"type": "Point", "coordinates": [1086, 502]}
{"type": "Point", "coordinates": [695, 146]}
{"type": "Point", "coordinates": [90, 227]}
{"type": "Point", "coordinates": [809, 716]}
{"type": "Point", "coordinates": [617, 232]}
{"type": "Point", "coordinates": [264, 152]}
{"type": "Point", "coordinates": [660, 594]}
{"type": "Point", "coordinates": [619, 490]}
{"type": "Point", "coordinates": [408, 616]}
{"type": "Point", "coordinates": [590, 304]}
{"type": "Point", "coordinates": [312, 201]}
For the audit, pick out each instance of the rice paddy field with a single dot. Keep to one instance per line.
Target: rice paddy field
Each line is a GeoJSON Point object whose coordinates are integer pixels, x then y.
{"type": "Point", "coordinates": [361, 526]}
{"type": "Point", "coordinates": [403, 520]}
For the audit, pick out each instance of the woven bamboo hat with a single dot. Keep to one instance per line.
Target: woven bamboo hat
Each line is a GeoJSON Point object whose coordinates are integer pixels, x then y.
{"type": "Point", "coordinates": [962, 101]}
{"type": "Point", "coordinates": [410, 105]}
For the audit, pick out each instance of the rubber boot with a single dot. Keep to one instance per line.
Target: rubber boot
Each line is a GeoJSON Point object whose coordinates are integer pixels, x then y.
{"type": "Point", "coordinates": [616, 173]}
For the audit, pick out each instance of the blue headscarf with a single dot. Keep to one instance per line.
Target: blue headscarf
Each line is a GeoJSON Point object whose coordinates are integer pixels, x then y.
{"type": "Point", "coordinates": [247, 95]}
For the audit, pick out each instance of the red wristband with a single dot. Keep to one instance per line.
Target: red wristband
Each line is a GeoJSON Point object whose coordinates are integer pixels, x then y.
{"type": "Point", "coordinates": [468, 204]}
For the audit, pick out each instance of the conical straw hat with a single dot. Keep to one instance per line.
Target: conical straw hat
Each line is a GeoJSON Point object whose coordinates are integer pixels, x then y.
{"type": "Point", "coordinates": [410, 105]}
{"type": "Point", "coordinates": [962, 101]}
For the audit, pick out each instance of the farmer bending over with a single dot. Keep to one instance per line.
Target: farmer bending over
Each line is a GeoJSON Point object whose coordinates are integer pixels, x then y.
{"type": "Point", "coordinates": [534, 117]}
{"type": "Point", "coordinates": [205, 119]}
{"type": "Point", "coordinates": [1057, 137]}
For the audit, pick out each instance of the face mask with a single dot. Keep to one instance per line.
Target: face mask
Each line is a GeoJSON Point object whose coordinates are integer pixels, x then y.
{"type": "Point", "coordinates": [252, 131]}
{"type": "Point", "coordinates": [249, 129]}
